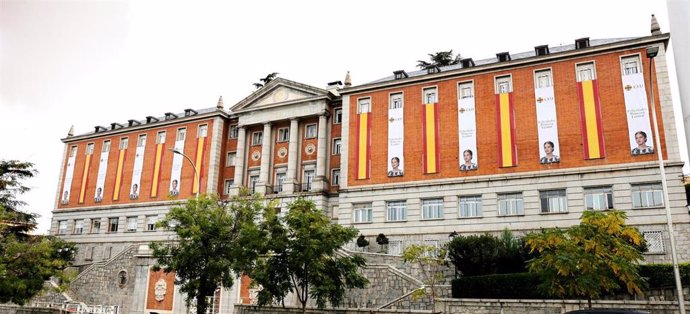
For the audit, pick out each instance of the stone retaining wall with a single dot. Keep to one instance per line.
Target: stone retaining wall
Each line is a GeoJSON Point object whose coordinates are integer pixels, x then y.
{"type": "Point", "coordinates": [251, 309]}
{"type": "Point", "coordinates": [492, 306]}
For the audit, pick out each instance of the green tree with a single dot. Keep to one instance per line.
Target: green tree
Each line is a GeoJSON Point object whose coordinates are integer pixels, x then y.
{"type": "Point", "coordinates": [432, 264]}
{"type": "Point", "coordinates": [215, 242]}
{"type": "Point", "coordinates": [26, 260]}
{"type": "Point", "coordinates": [597, 256]}
{"type": "Point", "coordinates": [439, 59]}
{"type": "Point", "coordinates": [301, 257]}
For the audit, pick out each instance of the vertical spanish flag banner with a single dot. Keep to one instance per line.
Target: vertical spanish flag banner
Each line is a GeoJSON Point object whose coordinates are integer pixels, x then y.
{"type": "Point", "coordinates": [430, 128]}
{"type": "Point", "coordinates": [85, 178]}
{"type": "Point", "coordinates": [592, 135]}
{"type": "Point", "coordinates": [198, 162]}
{"type": "Point", "coordinates": [505, 116]}
{"type": "Point", "coordinates": [363, 145]}
{"type": "Point", "coordinates": [118, 173]}
{"type": "Point", "coordinates": [160, 148]}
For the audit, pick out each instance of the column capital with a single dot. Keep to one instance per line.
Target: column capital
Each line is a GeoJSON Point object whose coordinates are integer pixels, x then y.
{"type": "Point", "coordinates": [268, 123]}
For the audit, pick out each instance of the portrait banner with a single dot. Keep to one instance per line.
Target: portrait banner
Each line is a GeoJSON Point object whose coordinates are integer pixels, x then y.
{"type": "Point", "coordinates": [430, 129]}
{"type": "Point", "coordinates": [637, 109]}
{"type": "Point", "coordinates": [175, 182]}
{"type": "Point", "coordinates": [135, 187]}
{"type": "Point", "coordinates": [590, 113]}
{"type": "Point", "coordinates": [69, 174]}
{"type": "Point", "coordinates": [467, 133]}
{"type": "Point", "coordinates": [396, 132]}
{"type": "Point", "coordinates": [505, 116]}
{"type": "Point", "coordinates": [102, 171]}
{"type": "Point", "coordinates": [547, 125]}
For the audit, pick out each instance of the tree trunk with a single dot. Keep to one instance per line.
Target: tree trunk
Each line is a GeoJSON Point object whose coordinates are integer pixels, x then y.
{"type": "Point", "coordinates": [304, 307]}
{"type": "Point", "coordinates": [589, 303]}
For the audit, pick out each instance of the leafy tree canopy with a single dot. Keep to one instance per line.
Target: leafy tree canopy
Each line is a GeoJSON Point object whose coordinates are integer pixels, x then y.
{"type": "Point", "coordinates": [478, 255]}
{"type": "Point", "coordinates": [432, 263]}
{"type": "Point", "coordinates": [439, 59]}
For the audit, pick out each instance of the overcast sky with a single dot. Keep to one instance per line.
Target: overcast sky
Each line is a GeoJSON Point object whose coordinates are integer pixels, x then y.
{"type": "Point", "coordinates": [87, 63]}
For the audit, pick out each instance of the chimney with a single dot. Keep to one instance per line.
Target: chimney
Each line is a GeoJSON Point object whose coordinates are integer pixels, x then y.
{"type": "Point", "coordinates": [656, 30]}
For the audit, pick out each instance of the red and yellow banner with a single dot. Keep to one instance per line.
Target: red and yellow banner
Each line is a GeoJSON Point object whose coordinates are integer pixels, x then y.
{"type": "Point", "coordinates": [118, 174]}
{"type": "Point", "coordinates": [363, 147]}
{"type": "Point", "coordinates": [198, 163]}
{"type": "Point", "coordinates": [505, 116]}
{"type": "Point", "coordinates": [157, 169]}
{"type": "Point", "coordinates": [84, 178]}
{"type": "Point", "coordinates": [590, 112]}
{"type": "Point", "coordinates": [430, 128]}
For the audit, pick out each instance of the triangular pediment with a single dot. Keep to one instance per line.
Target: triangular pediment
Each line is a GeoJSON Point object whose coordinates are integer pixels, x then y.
{"type": "Point", "coordinates": [279, 92]}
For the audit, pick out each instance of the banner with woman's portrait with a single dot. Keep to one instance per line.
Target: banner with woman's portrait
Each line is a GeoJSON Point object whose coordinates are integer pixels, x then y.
{"type": "Point", "coordinates": [636, 107]}
{"type": "Point", "coordinates": [467, 127]}
{"type": "Point", "coordinates": [69, 174]}
{"type": "Point", "coordinates": [175, 183]}
{"type": "Point", "coordinates": [547, 124]}
{"type": "Point", "coordinates": [102, 171]}
{"type": "Point", "coordinates": [396, 133]}
{"type": "Point", "coordinates": [138, 166]}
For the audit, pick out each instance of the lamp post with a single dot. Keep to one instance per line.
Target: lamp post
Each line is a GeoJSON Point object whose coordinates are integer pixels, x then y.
{"type": "Point", "coordinates": [196, 173]}
{"type": "Point", "coordinates": [651, 53]}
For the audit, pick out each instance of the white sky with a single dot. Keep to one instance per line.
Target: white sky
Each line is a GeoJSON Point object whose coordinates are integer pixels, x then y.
{"type": "Point", "coordinates": [87, 63]}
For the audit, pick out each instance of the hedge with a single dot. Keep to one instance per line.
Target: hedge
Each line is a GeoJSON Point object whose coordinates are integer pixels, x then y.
{"type": "Point", "coordinates": [660, 276]}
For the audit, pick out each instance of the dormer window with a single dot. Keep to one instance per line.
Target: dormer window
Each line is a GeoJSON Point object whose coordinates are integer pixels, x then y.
{"type": "Point", "coordinates": [400, 74]}
{"type": "Point", "coordinates": [116, 125]}
{"type": "Point", "coordinates": [433, 69]}
{"type": "Point", "coordinates": [503, 56]}
{"type": "Point", "coordinates": [170, 116]}
{"type": "Point", "coordinates": [467, 63]}
{"type": "Point", "coordinates": [99, 128]}
{"type": "Point", "coordinates": [132, 122]}
{"type": "Point", "coordinates": [582, 43]}
{"type": "Point", "coordinates": [150, 119]}
{"type": "Point", "coordinates": [190, 112]}
{"type": "Point", "coordinates": [541, 50]}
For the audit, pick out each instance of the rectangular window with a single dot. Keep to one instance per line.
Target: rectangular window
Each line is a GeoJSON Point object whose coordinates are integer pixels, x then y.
{"type": "Point", "coordinates": [586, 72]}
{"type": "Point", "coordinates": [252, 182]}
{"type": "Point", "coordinates": [630, 65]}
{"type": "Point", "coordinates": [504, 84]}
{"type": "Point", "coordinates": [131, 224]}
{"type": "Point", "coordinates": [228, 186]}
{"type": "Point", "coordinates": [337, 143]}
{"type": "Point", "coordinates": [257, 137]}
{"type": "Point", "coordinates": [151, 222]}
{"type": "Point", "coordinates": [542, 78]}
{"type": "Point", "coordinates": [160, 137]}
{"type": "Point", "coordinates": [432, 208]}
{"type": "Point", "coordinates": [466, 90]}
{"type": "Point", "coordinates": [395, 101]}
{"type": "Point", "coordinates": [234, 131]}
{"type": "Point", "coordinates": [283, 135]}
{"type": "Point", "coordinates": [655, 242]}
{"type": "Point", "coordinates": [203, 131]}
{"type": "Point", "coordinates": [124, 142]}
{"type": "Point", "coordinates": [647, 195]}
{"type": "Point", "coordinates": [181, 134]}
{"type": "Point", "coordinates": [307, 180]}
{"type": "Point", "coordinates": [310, 131]}
{"type": "Point", "coordinates": [599, 198]}
{"type": "Point", "coordinates": [142, 140]}
{"type": "Point", "coordinates": [62, 227]}
{"type": "Point", "coordinates": [396, 211]}
{"type": "Point", "coordinates": [510, 204]}
{"type": "Point", "coordinates": [106, 147]}
{"type": "Point", "coordinates": [108, 252]}
{"type": "Point", "coordinates": [113, 224]}
{"type": "Point", "coordinates": [89, 148]}
{"type": "Point", "coordinates": [433, 243]}
{"type": "Point", "coordinates": [96, 226]}
{"type": "Point", "coordinates": [362, 213]}
{"type": "Point", "coordinates": [430, 95]}
{"type": "Point", "coordinates": [280, 178]}
{"type": "Point", "coordinates": [89, 253]}
{"type": "Point", "coordinates": [395, 247]}
{"type": "Point", "coordinates": [470, 206]}
{"type": "Point", "coordinates": [338, 116]}
{"type": "Point", "coordinates": [553, 201]}
{"type": "Point", "coordinates": [335, 177]}
{"type": "Point", "coordinates": [364, 105]}
{"type": "Point", "coordinates": [230, 159]}
{"type": "Point", "coordinates": [73, 151]}
{"type": "Point", "coordinates": [78, 226]}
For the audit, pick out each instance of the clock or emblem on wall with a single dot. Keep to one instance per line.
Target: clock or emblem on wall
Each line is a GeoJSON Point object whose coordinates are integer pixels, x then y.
{"type": "Point", "coordinates": [280, 95]}
{"type": "Point", "coordinates": [310, 149]}
{"type": "Point", "coordinates": [256, 155]}
{"type": "Point", "coordinates": [282, 152]}
{"type": "Point", "coordinates": [160, 289]}
{"type": "Point", "coordinates": [122, 278]}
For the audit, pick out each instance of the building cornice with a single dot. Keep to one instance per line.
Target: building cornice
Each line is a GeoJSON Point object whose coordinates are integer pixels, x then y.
{"type": "Point", "coordinates": [118, 206]}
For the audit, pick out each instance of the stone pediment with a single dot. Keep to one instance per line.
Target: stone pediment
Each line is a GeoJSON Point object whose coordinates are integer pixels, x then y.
{"type": "Point", "coordinates": [279, 92]}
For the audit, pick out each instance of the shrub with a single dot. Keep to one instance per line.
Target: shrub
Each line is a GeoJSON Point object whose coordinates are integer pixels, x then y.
{"type": "Point", "coordinates": [661, 275]}
{"type": "Point", "coordinates": [499, 286]}
{"type": "Point", "coordinates": [362, 241]}
{"type": "Point", "coordinates": [478, 255]}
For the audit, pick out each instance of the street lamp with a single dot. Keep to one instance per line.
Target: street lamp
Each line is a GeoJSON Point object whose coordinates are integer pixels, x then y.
{"type": "Point", "coordinates": [196, 173]}
{"type": "Point", "coordinates": [651, 53]}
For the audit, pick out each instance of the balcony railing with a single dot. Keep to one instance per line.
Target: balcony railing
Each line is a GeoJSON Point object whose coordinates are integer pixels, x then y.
{"type": "Point", "coordinates": [306, 187]}
{"type": "Point", "coordinates": [276, 188]}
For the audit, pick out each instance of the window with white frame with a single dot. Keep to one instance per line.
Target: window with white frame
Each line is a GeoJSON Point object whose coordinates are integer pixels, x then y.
{"type": "Point", "coordinates": [430, 95]}
{"type": "Point", "coordinates": [396, 211]}
{"type": "Point", "coordinates": [89, 148]}
{"type": "Point", "coordinates": [106, 147]}
{"type": "Point", "coordinates": [230, 159]}
{"type": "Point", "coordinates": [466, 90]}
{"type": "Point", "coordinates": [553, 201]}
{"type": "Point", "coordinates": [504, 84]}
{"type": "Point", "coordinates": [257, 137]}
{"type": "Point", "coordinates": [79, 226]}
{"type": "Point", "coordinates": [586, 72]}
{"type": "Point", "coordinates": [307, 179]}
{"type": "Point", "coordinates": [310, 131]}
{"type": "Point", "coordinates": [131, 224]}
{"type": "Point", "coordinates": [228, 186]}
{"type": "Point", "coordinates": [395, 101]}
{"type": "Point", "coordinates": [337, 143]}
{"type": "Point", "coordinates": [113, 224]}
{"type": "Point", "coordinates": [361, 213]}
{"type": "Point", "coordinates": [124, 142]}
{"type": "Point", "coordinates": [160, 138]}
{"type": "Point", "coordinates": [253, 180]}
{"type": "Point", "coordinates": [510, 204]}
{"type": "Point", "coordinates": [542, 78]}
{"type": "Point", "coordinates": [96, 226]}
{"type": "Point", "coordinates": [62, 227]}
{"type": "Point", "coordinates": [89, 253]}
{"type": "Point", "coordinates": [470, 206]}
{"type": "Point", "coordinates": [151, 222]}
{"type": "Point", "coordinates": [599, 198]}
{"type": "Point", "coordinates": [283, 135]}
{"type": "Point", "coordinates": [234, 131]}
{"type": "Point", "coordinates": [73, 151]}
{"type": "Point", "coordinates": [630, 65]}
{"type": "Point", "coordinates": [181, 134]}
{"type": "Point", "coordinates": [435, 244]}
{"type": "Point", "coordinates": [395, 247]}
{"type": "Point", "coordinates": [655, 242]}
{"type": "Point", "coordinates": [338, 116]}
{"type": "Point", "coordinates": [364, 105]}
{"type": "Point", "coordinates": [203, 131]}
{"type": "Point", "coordinates": [141, 142]}
{"type": "Point", "coordinates": [107, 252]}
{"type": "Point", "coordinates": [432, 208]}
{"type": "Point", "coordinates": [280, 179]}
{"type": "Point", "coordinates": [335, 177]}
{"type": "Point", "coordinates": [647, 195]}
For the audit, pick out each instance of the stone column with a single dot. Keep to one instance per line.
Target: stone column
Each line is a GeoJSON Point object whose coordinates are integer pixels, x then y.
{"type": "Point", "coordinates": [264, 173]}
{"type": "Point", "coordinates": [290, 180]}
{"type": "Point", "coordinates": [321, 153]}
{"type": "Point", "coordinates": [239, 160]}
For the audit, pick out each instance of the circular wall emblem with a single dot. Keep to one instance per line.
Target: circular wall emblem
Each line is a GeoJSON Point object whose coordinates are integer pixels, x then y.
{"type": "Point", "coordinates": [310, 149]}
{"type": "Point", "coordinates": [280, 95]}
{"type": "Point", "coordinates": [122, 278]}
{"type": "Point", "coordinates": [160, 289]}
{"type": "Point", "coordinates": [282, 152]}
{"type": "Point", "coordinates": [256, 155]}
